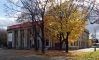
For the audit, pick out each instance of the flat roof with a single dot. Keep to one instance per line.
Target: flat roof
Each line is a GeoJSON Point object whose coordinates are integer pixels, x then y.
{"type": "Point", "coordinates": [23, 25]}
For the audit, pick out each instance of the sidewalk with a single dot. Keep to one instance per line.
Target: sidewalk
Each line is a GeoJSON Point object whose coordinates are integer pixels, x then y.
{"type": "Point", "coordinates": [86, 50]}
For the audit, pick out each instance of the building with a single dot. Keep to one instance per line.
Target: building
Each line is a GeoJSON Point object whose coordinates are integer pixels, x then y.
{"type": "Point", "coordinates": [82, 42]}
{"type": "Point", "coordinates": [20, 36]}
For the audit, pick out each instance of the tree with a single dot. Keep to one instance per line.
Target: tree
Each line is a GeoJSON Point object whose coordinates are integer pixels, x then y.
{"type": "Point", "coordinates": [74, 26]}
{"type": "Point", "coordinates": [67, 19]}
{"type": "Point", "coordinates": [33, 10]}
{"type": "Point", "coordinates": [3, 37]}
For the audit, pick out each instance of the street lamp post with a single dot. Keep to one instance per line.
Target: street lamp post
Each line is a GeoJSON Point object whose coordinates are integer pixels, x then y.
{"type": "Point", "coordinates": [92, 23]}
{"type": "Point", "coordinates": [66, 41]}
{"type": "Point", "coordinates": [94, 38]}
{"type": "Point", "coordinates": [61, 14]}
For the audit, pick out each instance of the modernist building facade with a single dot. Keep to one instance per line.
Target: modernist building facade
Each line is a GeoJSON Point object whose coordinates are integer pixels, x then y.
{"type": "Point", "coordinates": [20, 36]}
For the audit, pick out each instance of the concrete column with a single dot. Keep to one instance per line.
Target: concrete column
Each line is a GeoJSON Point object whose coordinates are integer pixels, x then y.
{"type": "Point", "coordinates": [49, 42]}
{"type": "Point", "coordinates": [13, 40]}
{"type": "Point", "coordinates": [28, 39]}
{"type": "Point", "coordinates": [79, 44]}
{"type": "Point", "coordinates": [39, 42]}
{"type": "Point", "coordinates": [19, 39]}
{"type": "Point", "coordinates": [25, 38]}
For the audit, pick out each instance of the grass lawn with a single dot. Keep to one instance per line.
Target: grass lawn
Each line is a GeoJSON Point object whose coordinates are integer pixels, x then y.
{"type": "Point", "coordinates": [88, 56]}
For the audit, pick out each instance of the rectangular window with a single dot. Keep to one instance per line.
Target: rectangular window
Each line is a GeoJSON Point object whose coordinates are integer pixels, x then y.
{"type": "Point", "coordinates": [47, 42]}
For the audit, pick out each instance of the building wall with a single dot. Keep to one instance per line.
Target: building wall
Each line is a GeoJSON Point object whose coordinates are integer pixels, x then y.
{"type": "Point", "coordinates": [23, 38]}
{"type": "Point", "coordinates": [82, 42]}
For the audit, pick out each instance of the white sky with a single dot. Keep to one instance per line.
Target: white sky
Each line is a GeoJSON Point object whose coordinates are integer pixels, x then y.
{"type": "Point", "coordinates": [4, 22]}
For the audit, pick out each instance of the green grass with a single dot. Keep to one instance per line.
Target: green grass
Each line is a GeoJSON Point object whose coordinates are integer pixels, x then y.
{"type": "Point", "coordinates": [86, 56]}
{"type": "Point", "coordinates": [89, 55]}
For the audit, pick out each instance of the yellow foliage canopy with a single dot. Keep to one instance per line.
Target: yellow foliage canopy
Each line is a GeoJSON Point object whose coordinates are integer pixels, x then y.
{"type": "Point", "coordinates": [53, 28]}
{"type": "Point", "coordinates": [73, 23]}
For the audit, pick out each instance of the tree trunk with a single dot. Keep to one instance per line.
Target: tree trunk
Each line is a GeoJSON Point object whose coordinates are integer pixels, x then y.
{"type": "Point", "coordinates": [34, 34]}
{"type": "Point", "coordinates": [60, 39]}
{"type": "Point", "coordinates": [42, 39]}
{"type": "Point", "coordinates": [35, 39]}
{"type": "Point", "coordinates": [66, 42]}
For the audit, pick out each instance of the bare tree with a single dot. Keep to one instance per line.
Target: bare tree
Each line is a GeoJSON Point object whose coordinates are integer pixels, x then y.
{"type": "Point", "coordinates": [35, 10]}
{"type": "Point", "coordinates": [3, 37]}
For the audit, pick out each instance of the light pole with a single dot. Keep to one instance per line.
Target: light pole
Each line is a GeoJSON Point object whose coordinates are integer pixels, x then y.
{"type": "Point", "coordinates": [94, 29]}
{"type": "Point", "coordinates": [61, 14]}
{"type": "Point", "coordinates": [94, 39]}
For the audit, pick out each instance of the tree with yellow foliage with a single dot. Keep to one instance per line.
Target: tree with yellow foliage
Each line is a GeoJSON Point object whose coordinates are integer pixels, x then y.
{"type": "Point", "coordinates": [65, 22]}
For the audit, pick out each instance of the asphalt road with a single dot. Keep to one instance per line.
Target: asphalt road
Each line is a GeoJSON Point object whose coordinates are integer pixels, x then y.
{"type": "Point", "coordinates": [6, 54]}
{"type": "Point", "coordinates": [12, 55]}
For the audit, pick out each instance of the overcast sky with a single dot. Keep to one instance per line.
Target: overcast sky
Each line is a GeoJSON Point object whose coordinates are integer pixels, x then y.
{"type": "Point", "coordinates": [6, 21]}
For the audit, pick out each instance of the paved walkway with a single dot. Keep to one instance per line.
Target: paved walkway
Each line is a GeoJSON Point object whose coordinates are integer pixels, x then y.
{"type": "Point", "coordinates": [86, 50]}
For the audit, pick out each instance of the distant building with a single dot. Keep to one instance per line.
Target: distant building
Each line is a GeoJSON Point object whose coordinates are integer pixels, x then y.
{"type": "Point", "coordinates": [82, 42]}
